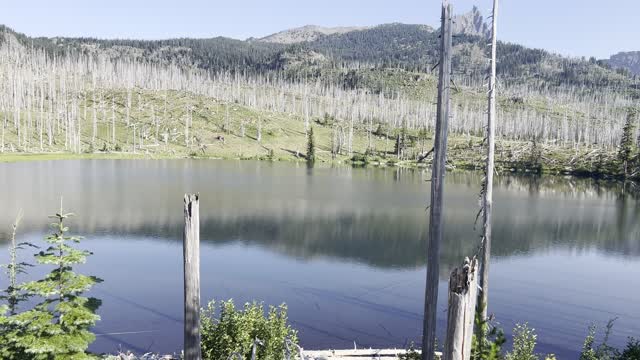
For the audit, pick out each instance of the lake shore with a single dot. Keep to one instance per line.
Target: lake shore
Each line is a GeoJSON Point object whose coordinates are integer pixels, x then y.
{"type": "Point", "coordinates": [553, 161]}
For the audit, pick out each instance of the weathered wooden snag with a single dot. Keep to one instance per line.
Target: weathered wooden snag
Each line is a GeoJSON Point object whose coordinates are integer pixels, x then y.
{"type": "Point", "coordinates": [436, 222]}
{"type": "Point", "coordinates": [191, 255]}
{"type": "Point", "coordinates": [463, 293]}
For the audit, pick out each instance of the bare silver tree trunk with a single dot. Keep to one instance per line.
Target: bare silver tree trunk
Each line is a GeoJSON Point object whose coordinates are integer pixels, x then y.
{"type": "Point", "coordinates": [4, 122]}
{"type": "Point", "coordinates": [113, 123]}
{"type": "Point", "coordinates": [259, 136]}
{"type": "Point", "coordinates": [191, 256]}
{"type": "Point", "coordinates": [437, 188]}
{"type": "Point", "coordinates": [488, 191]}
{"type": "Point", "coordinates": [463, 293]}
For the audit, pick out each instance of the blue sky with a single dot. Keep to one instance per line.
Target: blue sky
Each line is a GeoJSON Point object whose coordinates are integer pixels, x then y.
{"type": "Point", "coordinates": [571, 27]}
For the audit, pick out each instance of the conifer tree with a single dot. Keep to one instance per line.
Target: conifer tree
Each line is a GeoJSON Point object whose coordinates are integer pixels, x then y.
{"type": "Point", "coordinates": [625, 151]}
{"type": "Point", "coordinates": [58, 326]}
{"type": "Point", "coordinates": [311, 147]}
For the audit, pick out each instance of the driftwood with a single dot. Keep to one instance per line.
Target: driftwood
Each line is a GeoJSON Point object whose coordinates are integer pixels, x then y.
{"type": "Point", "coordinates": [437, 188]}
{"type": "Point", "coordinates": [463, 292]}
{"type": "Point", "coordinates": [359, 354]}
{"type": "Point", "coordinates": [191, 254]}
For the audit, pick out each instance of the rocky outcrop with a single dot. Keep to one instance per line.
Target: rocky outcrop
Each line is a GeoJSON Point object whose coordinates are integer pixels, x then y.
{"type": "Point", "coordinates": [626, 60]}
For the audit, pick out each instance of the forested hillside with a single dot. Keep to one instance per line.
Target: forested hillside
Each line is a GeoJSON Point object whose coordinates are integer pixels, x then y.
{"type": "Point", "coordinates": [366, 84]}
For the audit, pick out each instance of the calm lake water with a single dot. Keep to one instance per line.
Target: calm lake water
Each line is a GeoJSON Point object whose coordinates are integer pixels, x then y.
{"type": "Point", "coordinates": [344, 248]}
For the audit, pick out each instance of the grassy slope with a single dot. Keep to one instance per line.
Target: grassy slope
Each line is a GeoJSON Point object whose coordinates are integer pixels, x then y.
{"type": "Point", "coordinates": [283, 134]}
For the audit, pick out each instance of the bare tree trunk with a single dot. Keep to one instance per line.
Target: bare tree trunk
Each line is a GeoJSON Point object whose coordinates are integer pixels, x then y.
{"type": "Point", "coordinates": [437, 188]}
{"type": "Point", "coordinates": [463, 292]}
{"type": "Point", "coordinates": [134, 138]}
{"type": "Point", "coordinates": [488, 191]}
{"type": "Point", "coordinates": [186, 127]}
{"type": "Point", "coordinates": [95, 121]}
{"type": "Point", "coordinates": [259, 137]}
{"type": "Point", "coordinates": [226, 119]}
{"type": "Point", "coordinates": [191, 255]}
{"type": "Point", "coordinates": [113, 123]}
{"type": "Point", "coordinates": [4, 124]}
{"type": "Point", "coordinates": [128, 105]}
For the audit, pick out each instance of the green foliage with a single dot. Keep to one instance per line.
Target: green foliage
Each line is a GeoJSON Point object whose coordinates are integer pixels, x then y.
{"type": "Point", "coordinates": [632, 351]}
{"type": "Point", "coordinates": [311, 147]}
{"type": "Point", "coordinates": [382, 130]}
{"type": "Point", "coordinates": [13, 294]}
{"type": "Point", "coordinates": [487, 340]}
{"type": "Point", "coordinates": [401, 142]}
{"type": "Point", "coordinates": [234, 331]}
{"type": "Point", "coordinates": [535, 156]}
{"type": "Point", "coordinates": [524, 343]}
{"type": "Point", "coordinates": [360, 159]}
{"type": "Point", "coordinates": [588, 351]}
{"type": "Point", "coordinates": [601, 352]}
{"type": "Point", "coordinates": [58, 326]}
{"type": "Point", "coordinates": [411, 354]}
{"type": "Point", "coordinates": [626, 149]}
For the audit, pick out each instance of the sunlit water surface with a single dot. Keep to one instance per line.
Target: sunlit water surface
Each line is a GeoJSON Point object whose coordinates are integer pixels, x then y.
{"type": "Point", "coordinates": [344, 248]}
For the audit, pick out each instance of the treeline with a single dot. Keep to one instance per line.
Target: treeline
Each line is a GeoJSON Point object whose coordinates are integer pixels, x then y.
{"type": "Point", "coordinates": [410, 47]}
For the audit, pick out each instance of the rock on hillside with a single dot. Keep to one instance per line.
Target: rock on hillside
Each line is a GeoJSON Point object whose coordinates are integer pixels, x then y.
{"type": "Point", "coordinates": [307, 33]}
{"type": "Point", "coordinates": [626, 60]}
{"type": "Point", "coordinates": [471, 23]}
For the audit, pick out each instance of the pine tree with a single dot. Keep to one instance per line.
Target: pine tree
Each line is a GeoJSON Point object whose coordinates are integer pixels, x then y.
{"type": "Point", "coordinates": [311, 147]}
{"type": "Point", "coordinates": [57, 327]}
{"type": "Point", "coordinates": [625, 151]}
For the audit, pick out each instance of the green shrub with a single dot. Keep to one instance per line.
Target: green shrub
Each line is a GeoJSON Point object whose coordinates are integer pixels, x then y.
{"type": "Point", "coordinates": [411, 354]}
{"type": "Point", "coordinates": [524, 343]}
{"type": "Point", "coordinates": [487, 340]}
{"type": "Point", "coordinates": [632, 351]}
{"type": "Point", "coordinates": [360, 158]}
{"type": "Point", "coordinates": [601, 352]}
{"type": "Point", "coordinates": [235, 330]}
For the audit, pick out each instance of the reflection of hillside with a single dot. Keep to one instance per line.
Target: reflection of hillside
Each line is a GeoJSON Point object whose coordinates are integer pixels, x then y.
{"type": "Point", "coordinates": [398, 240]}
{"type": "Point", "coordinates": [373, 216]}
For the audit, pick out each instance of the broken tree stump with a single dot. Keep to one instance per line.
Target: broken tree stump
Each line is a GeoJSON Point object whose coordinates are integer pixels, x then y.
{"type": "Point", "coordinates": [463, 293]}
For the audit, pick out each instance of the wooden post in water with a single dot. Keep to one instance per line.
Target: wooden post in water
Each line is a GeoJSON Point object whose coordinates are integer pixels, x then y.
{"type": "Point", "coordinates": [463, 293]}
{"type": "Point", "coordinates": [488, 191]}
{"type": "Point", "coordinates": [191, 255]}
{"type": "Point", "coordinates": [437, 188]}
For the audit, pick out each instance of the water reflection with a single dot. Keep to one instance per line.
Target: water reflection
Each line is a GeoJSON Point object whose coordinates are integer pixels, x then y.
{"type": "Point", "coordinates": [372, 216]}
{"type": "Point", "coordinates": [345, 248]}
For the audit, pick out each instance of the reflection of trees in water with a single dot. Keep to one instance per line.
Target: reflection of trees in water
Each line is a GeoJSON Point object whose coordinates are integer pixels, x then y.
{"type": "Point", "coordinates": [372, 215]}
{"type": "Point", "coordinates": [399, 240]}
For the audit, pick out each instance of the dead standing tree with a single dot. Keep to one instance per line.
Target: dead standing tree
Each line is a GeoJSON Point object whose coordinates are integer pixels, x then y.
{"type": "Point", "coordinates": [437, 188]}
{"type": "Point", "coordinates": [191, 255]}
{"type": "Point", "coordinates": [487, 201]}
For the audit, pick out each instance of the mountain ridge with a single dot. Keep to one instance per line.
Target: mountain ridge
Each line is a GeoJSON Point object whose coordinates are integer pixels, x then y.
{"type": "Point", "coordinates": [308, 33]}
{"type": "Point", "coordinates": [629, 60]}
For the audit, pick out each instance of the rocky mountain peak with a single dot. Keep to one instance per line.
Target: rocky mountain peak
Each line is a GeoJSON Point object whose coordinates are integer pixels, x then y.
{"type": "Point", "coordinates": [471, 23]}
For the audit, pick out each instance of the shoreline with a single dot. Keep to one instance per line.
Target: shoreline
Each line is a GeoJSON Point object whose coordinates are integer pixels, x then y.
{"type": "Point", "coordinates": [514, 168]}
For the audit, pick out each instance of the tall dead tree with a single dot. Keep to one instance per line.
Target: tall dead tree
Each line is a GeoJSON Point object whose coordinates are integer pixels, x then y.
{"type": "Point", "coordinates": [437, 187]}
{"type": "Point", "coordinates": [487, 202]}
{"type": "Point", "coordinates": [191, 256]}
{"type": "Point", "coordinates": [113, 123]}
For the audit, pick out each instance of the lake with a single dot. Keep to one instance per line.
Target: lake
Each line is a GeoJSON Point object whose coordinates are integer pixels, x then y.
{"type": "Point", "coordinates": [345, 248]}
